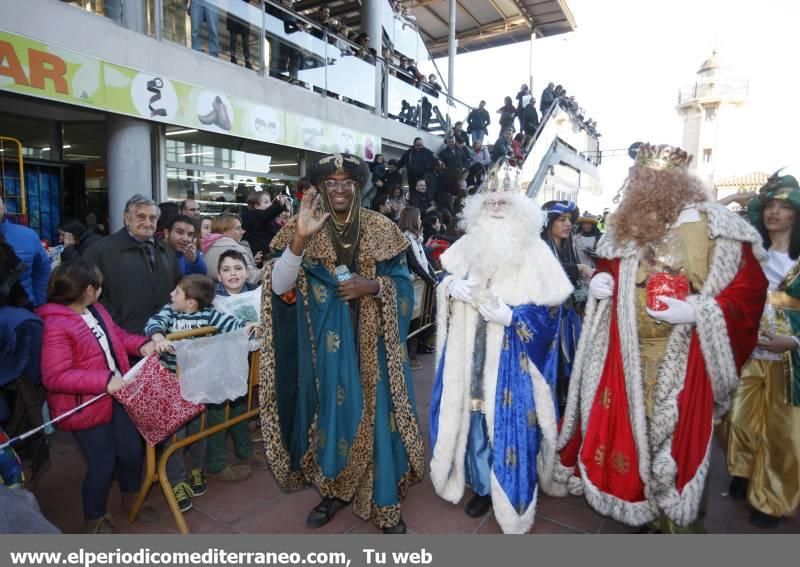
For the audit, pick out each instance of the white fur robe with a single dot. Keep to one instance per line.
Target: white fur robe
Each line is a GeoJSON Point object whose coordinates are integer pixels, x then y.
{"type": "Point", "coordinates": [537, 278]}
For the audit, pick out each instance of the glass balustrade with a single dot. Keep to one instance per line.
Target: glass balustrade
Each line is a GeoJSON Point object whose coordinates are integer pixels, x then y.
{"type": "Point", "coordinates": [304, 52]}
{"type": "Point", "coordinates": [137, 14]}
{"type": "Point", "coordinates": [228, 29]}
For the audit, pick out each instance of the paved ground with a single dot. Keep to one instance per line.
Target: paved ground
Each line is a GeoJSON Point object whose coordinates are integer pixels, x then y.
{"type": "Point", "coordinates": [258, 506]}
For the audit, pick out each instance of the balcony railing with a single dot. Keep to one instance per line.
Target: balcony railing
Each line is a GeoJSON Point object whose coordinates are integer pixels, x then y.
{"type": "Point", "coordinates": [734, 90]}
{"type": "Point", "coordinates": [300, 51]}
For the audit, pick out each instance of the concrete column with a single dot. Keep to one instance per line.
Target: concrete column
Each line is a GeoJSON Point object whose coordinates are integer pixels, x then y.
{"type": "Point", "coordinates": [129, 164]}
{"type": "Point", "coordinates": [372, 25]}
{"type": "Point", "coordinates": [452, 46]}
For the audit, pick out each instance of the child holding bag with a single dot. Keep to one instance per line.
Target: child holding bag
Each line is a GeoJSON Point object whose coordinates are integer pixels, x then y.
{"type": "Point", "coordinates": [191, 308]}
{"type": "Point", "coordinates": [84, 353]}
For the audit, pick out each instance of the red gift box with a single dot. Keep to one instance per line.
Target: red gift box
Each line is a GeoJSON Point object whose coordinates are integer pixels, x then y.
{"type": "Point", "coordinates": [154, 403]}
{"type": "Point", "coordinates": [669, 285]}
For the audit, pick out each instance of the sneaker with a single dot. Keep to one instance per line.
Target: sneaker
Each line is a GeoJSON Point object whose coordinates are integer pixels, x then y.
{"type": "Point", "coordinates": [101, 525]}
{"type": "Point", "coordinates": [198, 482]}
{"type": "Point", "coordinates": [231, 473]}
{"type": "Point", "coordinates": [183, 495]}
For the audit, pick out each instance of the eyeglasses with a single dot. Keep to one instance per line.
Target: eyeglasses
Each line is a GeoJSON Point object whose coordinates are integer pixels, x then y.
{"type": "Point", "coordinates": [346, 184]}
{"type": "Point", "coordinates": [490, 203]}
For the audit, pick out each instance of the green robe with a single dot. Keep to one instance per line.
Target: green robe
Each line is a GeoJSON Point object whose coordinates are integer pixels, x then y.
{"type": "Point", "coordinates": [337, 401]}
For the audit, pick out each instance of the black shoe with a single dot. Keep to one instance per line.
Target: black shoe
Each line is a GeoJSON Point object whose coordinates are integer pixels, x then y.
{"type": "Point", "coordinates": [425, 349]}
{"type": "Point", "coordinates": [738, 488]}
{"type": "Point", "coordinates": [478, 506]}
{"type": "Point", "coordinates": [324, 512]}
{"type": "Point", "coordinates": [398, 528]}
{"type": "Point", "coordinates": [764, 521]}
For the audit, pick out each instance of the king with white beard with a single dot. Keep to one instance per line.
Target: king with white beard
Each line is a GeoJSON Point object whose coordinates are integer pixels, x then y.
{"type": "Point", "coordinates": [493, 419]}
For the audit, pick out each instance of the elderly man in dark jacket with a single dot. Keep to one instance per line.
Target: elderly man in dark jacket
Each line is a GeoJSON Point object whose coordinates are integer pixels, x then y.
{"type": "Point", "coordinates": [417, 159]}
{"type": "Point", "coordinates": [139, 272]}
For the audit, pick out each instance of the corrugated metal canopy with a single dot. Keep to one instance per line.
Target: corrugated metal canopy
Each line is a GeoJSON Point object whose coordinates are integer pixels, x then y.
{"type": "Point", "coordinates": [481, 24]}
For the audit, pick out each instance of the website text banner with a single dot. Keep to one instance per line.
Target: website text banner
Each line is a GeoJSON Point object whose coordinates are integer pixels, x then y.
{"type": "Point", "coordinates": [371, 550]}
{"type": "Point", "coordinates": [33, 68]}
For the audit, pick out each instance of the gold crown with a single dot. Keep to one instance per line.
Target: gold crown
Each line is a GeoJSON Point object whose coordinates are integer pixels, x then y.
{"type": "Point", "coordinates": [662, 156]}
{"type": "Point", "coordinates": [503, 178]}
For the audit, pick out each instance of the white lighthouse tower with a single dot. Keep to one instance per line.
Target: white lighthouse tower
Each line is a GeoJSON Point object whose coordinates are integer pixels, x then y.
{"type": "Point", "coordinates": [713, 131]}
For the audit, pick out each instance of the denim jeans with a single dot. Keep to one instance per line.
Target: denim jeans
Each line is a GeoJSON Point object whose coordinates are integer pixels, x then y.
{"type": "Point", "coordinates": [478, 135]}
{"type": "Point", "coordinates": [114, 446]}
{"type": "Point", "coordinates": [200, 10]}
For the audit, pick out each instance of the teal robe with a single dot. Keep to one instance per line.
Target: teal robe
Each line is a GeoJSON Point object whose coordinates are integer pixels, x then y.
{"type": "Point", "coordinates": [337, 400]}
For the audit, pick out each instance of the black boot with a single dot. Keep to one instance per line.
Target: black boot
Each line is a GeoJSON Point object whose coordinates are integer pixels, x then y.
{"type": "Point", "coordinates": [764, 521]}
{"type": "Point", "coordinates": [738, 487]}
{"type": "Point", "coordinates": [324, 512]}
{"type": "Point", "coordinates": [478, 506]}
{"type": "Point", "coordinates": [398, 528]}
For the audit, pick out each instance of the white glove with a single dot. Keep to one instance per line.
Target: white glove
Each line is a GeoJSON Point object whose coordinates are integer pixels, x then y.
{"type": "Point", "coordinates": [460, 290]}
{"type": "Point", "coordinates": [601, 286]}
{"type": "Point", "coordinates": [677, 312]}
{"type": "Point", "coordinates": [499, 313]}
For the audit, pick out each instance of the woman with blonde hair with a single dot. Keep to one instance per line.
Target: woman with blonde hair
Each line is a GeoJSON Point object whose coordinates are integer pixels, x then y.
{"type": "Point", "coordinates": [226, 234]}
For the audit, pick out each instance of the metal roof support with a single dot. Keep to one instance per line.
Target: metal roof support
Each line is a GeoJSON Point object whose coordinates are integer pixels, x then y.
{"type": "Point", "coordinates": [498, 10]}
{"type": "Point", "coordinates": [530, 60]}
{"type": "Point", "coordinates": [452, 46]}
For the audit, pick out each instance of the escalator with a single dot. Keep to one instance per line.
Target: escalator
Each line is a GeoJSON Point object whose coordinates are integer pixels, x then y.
{"type": "Point", "coordinates": [561, 160]}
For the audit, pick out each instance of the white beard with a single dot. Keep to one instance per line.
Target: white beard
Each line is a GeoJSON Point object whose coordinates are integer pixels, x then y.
{"type": "Point", "coordinates": [496, 243]}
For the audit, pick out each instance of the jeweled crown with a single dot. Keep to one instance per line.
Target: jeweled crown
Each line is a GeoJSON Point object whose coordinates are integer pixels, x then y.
{"type": "Point", "coordinates": [503, 178]}
{"type": "Point", "coordinates": [662, 156]}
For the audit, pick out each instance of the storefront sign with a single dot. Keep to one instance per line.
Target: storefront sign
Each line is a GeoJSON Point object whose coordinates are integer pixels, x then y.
{"type": "Point", "coordinates": [33, 68]}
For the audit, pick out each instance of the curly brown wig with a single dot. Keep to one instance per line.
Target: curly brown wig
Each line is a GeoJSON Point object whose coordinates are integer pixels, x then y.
{"type": "Point", "coordinates": [651, 201]}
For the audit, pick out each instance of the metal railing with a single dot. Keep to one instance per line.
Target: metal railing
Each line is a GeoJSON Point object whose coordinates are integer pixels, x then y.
{"type": "Point", "coordinates": [729, 89]}
{"type": "Point", "coordinates": [156, 465]}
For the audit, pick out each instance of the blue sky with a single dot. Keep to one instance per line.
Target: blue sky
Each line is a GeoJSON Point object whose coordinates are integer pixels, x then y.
{"type": "Point", "coordinates": [628, 58]}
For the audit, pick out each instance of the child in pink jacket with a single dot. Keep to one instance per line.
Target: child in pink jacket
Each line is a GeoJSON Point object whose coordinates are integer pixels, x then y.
{"type": "Point", "coordinates": [84, 353]}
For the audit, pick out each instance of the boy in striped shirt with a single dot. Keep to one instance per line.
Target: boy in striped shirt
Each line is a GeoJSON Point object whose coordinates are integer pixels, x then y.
{"type": "Point", "coordinates": [191, 308]}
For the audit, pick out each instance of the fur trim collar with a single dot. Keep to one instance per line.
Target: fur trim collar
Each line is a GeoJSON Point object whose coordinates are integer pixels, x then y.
{"type": "Point", "coordinates": [722, 223]}
{"type": "Point", "coordinates": [536, 278]}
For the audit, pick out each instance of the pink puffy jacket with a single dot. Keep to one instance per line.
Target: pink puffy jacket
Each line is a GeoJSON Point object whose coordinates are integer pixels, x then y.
{"type": "Point", "coordinates": [74, 367]}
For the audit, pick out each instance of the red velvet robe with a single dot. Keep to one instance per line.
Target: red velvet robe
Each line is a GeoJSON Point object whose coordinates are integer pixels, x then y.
{"type": "Point", "coordinates": [607, 453]}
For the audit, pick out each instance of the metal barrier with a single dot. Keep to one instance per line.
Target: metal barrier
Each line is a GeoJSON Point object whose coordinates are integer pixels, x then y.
{"type": "Point", "coordinates": [426, 318]}
{"type": "Point", "coordinates": [156, 466]}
